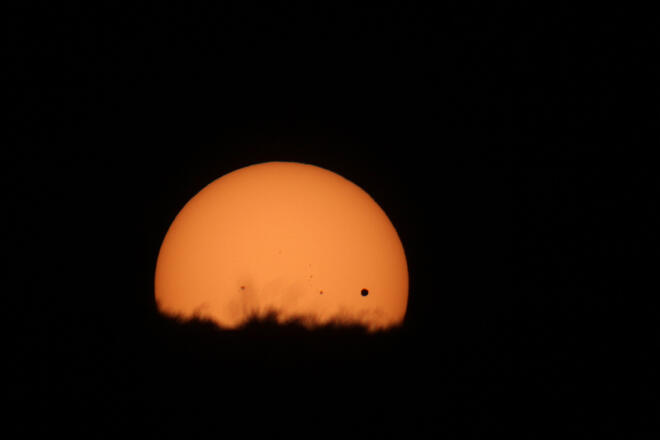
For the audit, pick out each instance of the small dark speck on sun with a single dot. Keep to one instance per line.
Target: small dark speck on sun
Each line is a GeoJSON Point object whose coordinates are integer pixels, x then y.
{"type": "Point", "coordinates": [242, 287]}
{"type": "Point", "coordinates": [364, 292]}
{"type": "Point", "coordinates": [321, 292]}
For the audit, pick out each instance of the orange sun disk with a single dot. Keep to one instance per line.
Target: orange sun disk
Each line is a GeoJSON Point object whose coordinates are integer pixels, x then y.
{"type": "Point", "coordinates": [283, 237]}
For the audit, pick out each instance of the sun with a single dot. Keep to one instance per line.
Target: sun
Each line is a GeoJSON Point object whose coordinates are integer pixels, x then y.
{"type": "Point", "coordinates": [284, 237]}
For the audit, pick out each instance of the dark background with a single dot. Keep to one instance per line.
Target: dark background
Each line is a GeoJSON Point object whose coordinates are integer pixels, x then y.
{"type": "Point", "coordinates": [506, 143]}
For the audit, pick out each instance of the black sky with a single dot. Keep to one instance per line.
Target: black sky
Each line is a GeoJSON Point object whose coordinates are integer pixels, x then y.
{"type": "Point", "coordinates": [506, 144]}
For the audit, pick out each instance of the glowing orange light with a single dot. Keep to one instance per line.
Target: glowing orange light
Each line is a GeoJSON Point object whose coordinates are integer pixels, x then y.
{"type": "Point", "coordinates": [283, 237]}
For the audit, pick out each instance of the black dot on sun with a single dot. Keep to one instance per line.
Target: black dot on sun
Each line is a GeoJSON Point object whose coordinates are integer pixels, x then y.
{"type": "Point", "coordinates": [364, 292]}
